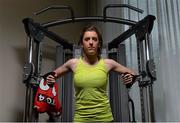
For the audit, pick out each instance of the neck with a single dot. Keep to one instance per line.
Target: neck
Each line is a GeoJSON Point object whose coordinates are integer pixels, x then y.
{"type": "Point", "coordinates": [93, 59]}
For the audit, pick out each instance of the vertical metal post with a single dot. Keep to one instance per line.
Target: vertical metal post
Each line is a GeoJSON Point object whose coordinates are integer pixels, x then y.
{"type": "Point", "coordinates": [66, 87]}
{"type": "Point", "coordinates": [30, 114]}
{"type": "Point", "coordinates": [149, 55]}
{"type": "Point", "coordinates": [125, 114]}
{"type": "Point", "coordinates": [69, 91]}
{"type": "Point", "coordinates": [59, 62]}
{"type": "Point", "coordinates": [38, 63]}
{"type": "Point", "coordinates": [144, 50]}
{"type": "Point", "coordinates": [28, 86]}
{"type": "Point", "coordinates": [114, 90]}
{"type": "Point", "coordinates": [140, 56]}
{"type": "Point", "coordinates": [118, 92]}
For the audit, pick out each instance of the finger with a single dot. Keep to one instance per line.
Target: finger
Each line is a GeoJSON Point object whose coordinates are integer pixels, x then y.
{"type": "Point", "coordinates": [127, 77]}
{"type": "Point", "coordinates": [50, 81]}
{"type": "Point", "coordinates": [127, 80]}
{"type": "Point", "coordinates": [127, 83]}
{"type": "Point", "coordinates": [124, 74]}
{"type": "Point", "coordinates": [50, 77]}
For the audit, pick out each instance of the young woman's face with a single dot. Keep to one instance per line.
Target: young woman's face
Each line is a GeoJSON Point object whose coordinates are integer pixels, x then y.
{"type": "Point", "coordinates": [90, 43]}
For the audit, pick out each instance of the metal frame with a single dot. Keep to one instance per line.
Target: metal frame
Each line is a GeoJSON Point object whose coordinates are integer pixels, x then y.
{"type": "Point", "coordinates": [65, 85]}
{"type": "Point", "coordinates": [145, 25]}
{"type": "Point", "coordinates": [145, 84]}
{"type": "Point", "coordinates": [118, 92]}
{"type": "Point", "coordinates": [37, 31]}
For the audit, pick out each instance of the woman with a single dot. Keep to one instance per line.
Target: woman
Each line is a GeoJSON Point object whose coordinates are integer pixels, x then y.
{"type": "Point", "coordinates": [90, 74]}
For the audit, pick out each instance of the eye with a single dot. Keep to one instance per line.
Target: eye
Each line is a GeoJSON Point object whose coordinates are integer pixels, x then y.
{"type": "Point", "coordinates": [87, 38]}
{"type": "Point", "coordinates": [95, 38]}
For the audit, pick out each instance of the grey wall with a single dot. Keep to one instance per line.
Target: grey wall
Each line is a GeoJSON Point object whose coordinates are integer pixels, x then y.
{"type": "Point", "coordinates": [13, 48]}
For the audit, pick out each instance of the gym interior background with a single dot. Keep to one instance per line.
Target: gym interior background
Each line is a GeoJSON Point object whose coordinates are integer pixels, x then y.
{"type": "Point", "coordinates": [165, 37]}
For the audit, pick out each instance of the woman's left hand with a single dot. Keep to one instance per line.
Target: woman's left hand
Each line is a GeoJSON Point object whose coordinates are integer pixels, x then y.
{"type": "Point", "coordinates": [127, 78]}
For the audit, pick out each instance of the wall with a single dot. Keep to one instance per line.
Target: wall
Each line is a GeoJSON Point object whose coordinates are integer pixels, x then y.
{"type": "Point", "coordinates": [13, 48]}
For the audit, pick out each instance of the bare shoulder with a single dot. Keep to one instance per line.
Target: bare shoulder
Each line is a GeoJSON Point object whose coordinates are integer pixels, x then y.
{"type": "Point", "coordinates": [109, 63]}
{"type": "Point", "coordinates": [72, 63]}
{"type": "Point", "coordinates": [66, 67]}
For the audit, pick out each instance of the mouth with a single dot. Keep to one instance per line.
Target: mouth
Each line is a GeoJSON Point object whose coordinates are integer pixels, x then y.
{"type": "Point", "coordinates": [91, 48]}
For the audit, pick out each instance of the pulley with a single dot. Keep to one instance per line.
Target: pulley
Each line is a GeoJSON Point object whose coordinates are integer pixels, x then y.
{"type": "Point", "coordinates": [27, 71]}
{"type": "Point", "coordinates": [151, 69]}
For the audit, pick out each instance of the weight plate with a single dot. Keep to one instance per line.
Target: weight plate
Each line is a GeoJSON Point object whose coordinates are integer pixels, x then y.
{"type": "Point", "coordinates": [151, 69]}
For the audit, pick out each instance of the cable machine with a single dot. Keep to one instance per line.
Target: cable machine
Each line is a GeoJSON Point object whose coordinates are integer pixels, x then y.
{"type": "Point", "coordinates": [146, 63]}
{"type": "Point", "coordinates": [37, 31]}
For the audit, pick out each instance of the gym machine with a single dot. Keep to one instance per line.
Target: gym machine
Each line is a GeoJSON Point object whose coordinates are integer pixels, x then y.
{"type": "Point", "coordinates": [146, 64]}
{"type": "Point", "coordinates": [32, 69]}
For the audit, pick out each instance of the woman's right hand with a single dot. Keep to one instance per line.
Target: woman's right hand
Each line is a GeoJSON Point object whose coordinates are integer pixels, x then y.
{"type": "Point", "coordinates": [50, 79]}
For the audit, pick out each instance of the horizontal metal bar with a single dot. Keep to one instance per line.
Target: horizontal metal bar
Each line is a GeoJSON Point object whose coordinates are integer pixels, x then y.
{"type": "Point", "coordinates": [89, 18]}
{"type": "Point", "coordinates": [114, 43]}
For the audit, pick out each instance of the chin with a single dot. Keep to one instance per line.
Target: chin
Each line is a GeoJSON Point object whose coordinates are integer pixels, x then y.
{"type": "Point", "coordinates": [91, 53]}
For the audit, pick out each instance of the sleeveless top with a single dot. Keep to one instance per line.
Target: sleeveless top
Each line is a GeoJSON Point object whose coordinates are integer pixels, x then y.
{"type": "Point", "coordinates": [91, 103]}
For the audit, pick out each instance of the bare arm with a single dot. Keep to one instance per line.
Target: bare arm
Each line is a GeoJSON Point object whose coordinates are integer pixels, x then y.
{"type": "Point", "coordinates": [66, 67]}
{"type": "Point", "coordinates": [127, 74]}
{"type": "Point", "coordinates": [113, 65]}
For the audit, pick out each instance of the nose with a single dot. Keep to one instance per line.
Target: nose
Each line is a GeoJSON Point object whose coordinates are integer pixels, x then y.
{"type": "Point", "coordinates": [91, 42]}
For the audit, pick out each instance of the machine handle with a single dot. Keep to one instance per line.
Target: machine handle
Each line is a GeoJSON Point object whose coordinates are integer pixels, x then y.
{"type": "Point", "coordinates": [56, 7]}
{"type": "Point", "coordinates": [119, 6]}
{"type": "Point", "coordinates": [136, 78]}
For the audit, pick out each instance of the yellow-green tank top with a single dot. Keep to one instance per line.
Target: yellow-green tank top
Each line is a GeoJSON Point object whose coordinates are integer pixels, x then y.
{"type": "Point", "coordinates": [91, 103]}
